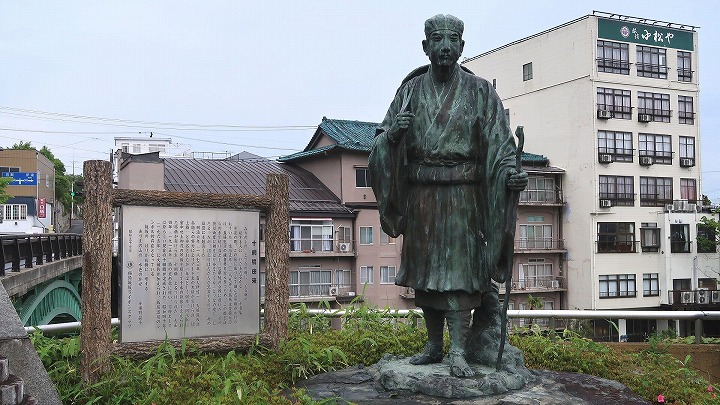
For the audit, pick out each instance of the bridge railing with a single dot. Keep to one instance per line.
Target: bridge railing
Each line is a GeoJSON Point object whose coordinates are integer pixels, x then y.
{"type": "Point", "coordinates": [28, 250]}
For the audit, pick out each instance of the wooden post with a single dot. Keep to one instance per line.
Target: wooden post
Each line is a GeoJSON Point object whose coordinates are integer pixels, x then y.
{"type": "Point", "coordinates": [277, 259]}
{"type": "Point", "coordinates": [96, 270]}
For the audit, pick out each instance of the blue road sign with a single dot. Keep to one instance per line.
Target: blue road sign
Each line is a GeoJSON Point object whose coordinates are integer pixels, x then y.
{"type": "Point", "coordinates": [22, 178]}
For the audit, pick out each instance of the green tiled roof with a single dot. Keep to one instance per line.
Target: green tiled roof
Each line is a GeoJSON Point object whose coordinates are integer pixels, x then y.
{"type": "Point", "coordinates": [531, 158]}
{"type": "Point", "coordinates": [348, 135]}
{"type": "Point", "coordinates": [358, 136]}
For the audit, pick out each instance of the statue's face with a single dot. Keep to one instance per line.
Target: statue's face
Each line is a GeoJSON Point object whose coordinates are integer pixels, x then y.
{"type": "Point", "coordinates": [443, 47]}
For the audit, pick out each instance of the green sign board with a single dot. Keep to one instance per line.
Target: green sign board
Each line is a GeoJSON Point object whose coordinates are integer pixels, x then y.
{"type": "Point", "coordinates": [652, 35]}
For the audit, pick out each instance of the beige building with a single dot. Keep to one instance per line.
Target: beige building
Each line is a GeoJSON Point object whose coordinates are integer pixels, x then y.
{"type": "Point", "coordinates": [32, 208]}
{"type": "Point", "coordinates": [613, 100]}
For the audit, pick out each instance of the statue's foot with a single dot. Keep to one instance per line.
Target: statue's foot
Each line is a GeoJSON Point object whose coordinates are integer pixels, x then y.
{"type": "Point", "coordinates": [459, 367]}
{"type": "Point", "coordinates": [431, 354]}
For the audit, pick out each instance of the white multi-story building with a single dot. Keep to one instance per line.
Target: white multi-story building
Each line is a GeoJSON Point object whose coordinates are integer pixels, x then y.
{"type": "Point", "coordinates": [613, 100]}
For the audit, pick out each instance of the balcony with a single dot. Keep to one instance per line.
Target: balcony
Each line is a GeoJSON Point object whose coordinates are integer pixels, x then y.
{"type": "Point", "coordinates": [541, 197]}
{"type": "Point", "coordinates": [537, 284]}
{"type": "Point", "coordinates": [685, 298]}
{"type": "Point", "coordinates": [312, 292]}
{"type": "Point", "coordinates": [539, 245]}
{"type": "Point", "coordinates": [321, 247]}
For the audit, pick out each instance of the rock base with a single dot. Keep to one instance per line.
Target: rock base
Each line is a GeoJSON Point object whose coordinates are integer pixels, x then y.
{"type": "Point", "coordinates": [395, 381]}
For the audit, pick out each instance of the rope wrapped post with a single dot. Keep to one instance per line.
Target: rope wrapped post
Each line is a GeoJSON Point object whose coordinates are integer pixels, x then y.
{"type": "Point", "coordinates": [277, 259]}
{"type": "Point", "coordinates": [96, 270]}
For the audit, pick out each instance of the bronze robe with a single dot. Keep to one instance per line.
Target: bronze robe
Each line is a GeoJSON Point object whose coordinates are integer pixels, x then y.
{"type": "Point", "coordinates": [443, 185]}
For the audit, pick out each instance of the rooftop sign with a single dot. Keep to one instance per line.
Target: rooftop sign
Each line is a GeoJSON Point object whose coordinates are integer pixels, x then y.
{"type": "Point", "coordinates": [643, 34]}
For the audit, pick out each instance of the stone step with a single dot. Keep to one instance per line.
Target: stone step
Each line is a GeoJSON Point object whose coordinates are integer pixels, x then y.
{"type": "Point", "coordinates": [12, 390]}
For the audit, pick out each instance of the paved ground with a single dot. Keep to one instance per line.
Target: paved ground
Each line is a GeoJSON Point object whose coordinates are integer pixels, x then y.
{"type": "Point", "coordinates": [76, 227]}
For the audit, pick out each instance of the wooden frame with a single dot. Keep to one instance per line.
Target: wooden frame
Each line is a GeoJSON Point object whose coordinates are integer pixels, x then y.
{"type": "Point", "coordinates": [100, 198]}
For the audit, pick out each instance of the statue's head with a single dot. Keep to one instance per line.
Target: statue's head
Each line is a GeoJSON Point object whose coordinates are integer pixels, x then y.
{"type": "Point", "coordinates": [443, 42]}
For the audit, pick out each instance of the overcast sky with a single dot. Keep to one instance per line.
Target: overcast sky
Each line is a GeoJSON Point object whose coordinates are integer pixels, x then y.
{"type": "Point", "coordinates": [259, 76]}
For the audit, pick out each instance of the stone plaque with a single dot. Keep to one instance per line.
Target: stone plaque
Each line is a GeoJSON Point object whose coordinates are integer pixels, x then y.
{"type": "Point", "coordinates": [188, 272]}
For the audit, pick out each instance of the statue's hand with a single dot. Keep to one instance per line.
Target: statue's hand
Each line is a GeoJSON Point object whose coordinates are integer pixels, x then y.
{"type": "Point", "coordinates": [400, 125]}
{"type": "Point", "coordinates": [517, 181]}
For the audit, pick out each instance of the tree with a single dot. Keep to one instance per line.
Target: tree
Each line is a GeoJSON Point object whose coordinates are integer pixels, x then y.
{"type": "Point", "coordinates": [4, 182]}
{"type": "Point", "coordinates": [707, 240]}
{"type": "Point", "coordinates": [22, 145]}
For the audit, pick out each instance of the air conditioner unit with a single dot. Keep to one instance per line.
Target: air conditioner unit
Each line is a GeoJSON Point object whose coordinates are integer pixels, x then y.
{"type": "Point", "coordinates": [687, 297]}
{"type": "Point", "coordinates": [644, 117]}
{"type": "Point", "coordinates": [605, 158]}
{"type": "Point", "coordinates": [691, 207]}
{"type": "Point", "coordinates": [669, 208]}
{"type": "Point", "coordinates": [604, 114]}
{"type": "Point", "coordinates": [605, 203]}
{"type": "Point", "coordinates": [344, 247]}
{"type": "Point", "coordinates": [334, 291]}
{"type": "Point", "coordinates": [715, 296]}
{"type": "Point", "coordinates": [703, 297]}
{"type": "Point", "coordinates": [686, 162]}
{"type": "Point", "coordinates": [646, 160]}
{"type": "Point", "coordinates": [554, 284]}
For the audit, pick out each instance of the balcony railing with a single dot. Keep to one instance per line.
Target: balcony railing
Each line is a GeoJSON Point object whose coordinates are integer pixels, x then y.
{"type": "Point", "coordinates": [538, 283]}
{"type": "Point", "coordinates": [321, 246]}
{"type": "Point", "coordinates": [694, 297]}
{"type": "Point", "coordinates": [523, 244]}
{"type": "Point", "coordinates": [541, 197]}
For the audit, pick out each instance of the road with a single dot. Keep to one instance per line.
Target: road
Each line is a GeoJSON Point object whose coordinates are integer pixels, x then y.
{"type": "Point", "coordinates": [76, 227]}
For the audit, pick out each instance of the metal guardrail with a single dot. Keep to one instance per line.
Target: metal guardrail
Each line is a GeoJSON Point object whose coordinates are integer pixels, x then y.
{"type": "Point", "coordinates": [551, 314]}
{"type": "Point", "coordinates": [32, 249]}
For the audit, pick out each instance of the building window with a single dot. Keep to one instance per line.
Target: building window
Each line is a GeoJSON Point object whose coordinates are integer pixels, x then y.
{"type": "Point", "coordinates": [686, 114]}
{"type": "Point", "coordinates": [617, 286]}
{"type": "Point", "coordinates": [136, 148]}
{"type": "Point", "coordinates": [651, 286]}
{"type": "Point", "coordinates": [310, 283]}
{"type": "Point", "coordinates": [617, 144]}
{"type": "Point", "coordinates": [616, 101]}
{"type": "Point", "coordinates": [386, 239]}
{"type": "Point", "coordinates": [684, 68]}
{"type": "Point", "coordinates": [156, 147]}
{"type": "Point", "coordinates": [366, 274]}
{"type": "Point", "coordinates": [362, 177]}
{"type": "Point", "coordinates": [343, 278]}
{"type": "Point", "coordinates": [688, 190]}
{"type": "Point", "coordinates": [539, 190]}
{"type": "Point", "coordinates": [535, 274]}
{"type": "Point", "coordinates": [658, 147]}
{"type": "Point", "coordinates": [651, 62]}
{"type": "Point", "coordinates": [125, 147]}
{"type": "Point", "coordinates": [650, 237]}
{"type": "Point", "coordinates": [535, 237]}
{"type": "Point", "coordinates": [613, 57]}
{"type": "Point", "coordinates": [618, 189]}
{"type": "Point", "coordinates": [9, 169]}
{"type": "Point", "coordinates": [15, 212]}
{"type": "Point", "coordinates": [343, 234]}
{"type": "Point", "coordinates": [687, 151]}
{"type": "Point", "coordinates": [655, 106]}
{"type": "Point", "coordinates": [366, 235]}
{"type": "Point", "coordinates": [387, 274]}
{"type": "Point", "coordinates": [536, 218]}
{"type": "Point", "coordinates": [679, 238]}
{"type": "Point", "coordinates": [655, 191]}
{"type": "Point", "coordinates": [311, 235]}
{"type": "Point", "coordinates": [616, 237]}
{"type": "Point", "coordinates": [706, 239]}
{"type": "Point", "coordinates": [527, 72]}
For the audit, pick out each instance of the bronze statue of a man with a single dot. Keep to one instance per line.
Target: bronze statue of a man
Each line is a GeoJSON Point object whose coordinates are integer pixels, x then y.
{"type": "Point", "coordinates": [443, 170]}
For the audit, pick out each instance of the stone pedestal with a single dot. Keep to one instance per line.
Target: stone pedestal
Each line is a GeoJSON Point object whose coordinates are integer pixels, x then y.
{"type": "Point", "coordinates": [394, 381]}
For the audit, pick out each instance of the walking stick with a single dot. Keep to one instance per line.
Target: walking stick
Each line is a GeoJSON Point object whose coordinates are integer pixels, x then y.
{"type": "Point", "coordinates": [514, 197]}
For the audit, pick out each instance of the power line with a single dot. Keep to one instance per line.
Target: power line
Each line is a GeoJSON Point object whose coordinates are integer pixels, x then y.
{"type": "Point", "coordinates": [145, 124]}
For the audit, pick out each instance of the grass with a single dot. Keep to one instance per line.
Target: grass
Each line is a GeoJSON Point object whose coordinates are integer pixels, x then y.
{"type": "Point", "coordinates": [259, 376]}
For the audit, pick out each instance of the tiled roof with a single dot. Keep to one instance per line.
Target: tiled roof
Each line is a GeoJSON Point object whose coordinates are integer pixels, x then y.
{"type": "Point", "coordinates": [245, 174]}
{"type": "Point", "coordinates": [531, 158]}
{"type": "Point", "coordinates": [348, 135]}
